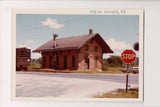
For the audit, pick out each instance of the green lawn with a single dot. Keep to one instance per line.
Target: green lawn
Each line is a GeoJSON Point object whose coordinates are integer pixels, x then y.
{"type": "Point", "coordinates": [121, 93]}
{"type": "Point", "coordinates": [34, 65]}
{"type": "Point", "coordinates": [37, 69]}
{"type": "Point", "coordinates": [116, 70]}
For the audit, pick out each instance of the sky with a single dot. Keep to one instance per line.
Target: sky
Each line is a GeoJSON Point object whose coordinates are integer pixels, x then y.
{"type": "Point", "coordinates": [119, 31]}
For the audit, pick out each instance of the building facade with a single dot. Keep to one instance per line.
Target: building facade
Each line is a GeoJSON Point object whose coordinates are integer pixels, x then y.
{"type": "Point", "coordinates": [74, 53]}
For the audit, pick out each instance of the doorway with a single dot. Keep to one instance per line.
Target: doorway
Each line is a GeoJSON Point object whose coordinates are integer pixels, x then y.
{"type": "Point", "coordinates": [86, 64]}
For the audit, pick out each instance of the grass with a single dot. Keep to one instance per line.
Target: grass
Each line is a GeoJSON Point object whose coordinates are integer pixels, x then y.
{"type": "Point", "coordinates": [35, 69]}
{"type": "Point", "coordinates": [121, 93]}
{"type": "Point", "coordinates": [34, 65]}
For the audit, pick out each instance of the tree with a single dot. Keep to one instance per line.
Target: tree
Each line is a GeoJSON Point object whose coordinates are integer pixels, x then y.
{"type": "Point", "coordinates": [115, 61]}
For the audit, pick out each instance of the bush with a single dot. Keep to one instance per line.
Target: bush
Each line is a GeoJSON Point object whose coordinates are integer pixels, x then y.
{"type": "Point", "coordinates": [105, 68]}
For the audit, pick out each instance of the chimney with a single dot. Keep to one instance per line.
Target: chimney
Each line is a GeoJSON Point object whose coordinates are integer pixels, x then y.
{"type": "Point", "coordinates": [90, 31]}
{"type": "Point", "coordinates": [54, 38]}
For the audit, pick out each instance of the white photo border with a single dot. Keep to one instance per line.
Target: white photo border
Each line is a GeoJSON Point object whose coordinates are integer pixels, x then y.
{"type": "Point", "coordinates": [139, 12]}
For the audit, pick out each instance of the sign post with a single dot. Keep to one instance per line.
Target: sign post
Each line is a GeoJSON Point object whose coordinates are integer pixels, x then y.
{"type": "Point", "coordinates": [128, 57]}
{"type": "Point", "coordinates": [127, 77]}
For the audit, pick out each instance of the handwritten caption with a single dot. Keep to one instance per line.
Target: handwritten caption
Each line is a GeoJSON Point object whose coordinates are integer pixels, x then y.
{"type": "Point", "coordinates": [113, 12]}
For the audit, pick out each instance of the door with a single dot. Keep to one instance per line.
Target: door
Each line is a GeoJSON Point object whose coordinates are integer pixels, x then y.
{"type": "Point", "coordinates": [86, 64]}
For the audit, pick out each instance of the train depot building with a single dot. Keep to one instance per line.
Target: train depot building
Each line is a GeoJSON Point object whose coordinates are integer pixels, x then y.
{"type": "Point", "coordinates": [74, 53]}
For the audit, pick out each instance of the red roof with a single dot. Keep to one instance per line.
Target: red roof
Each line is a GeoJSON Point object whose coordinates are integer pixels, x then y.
{"type": "Point", "coordinates": [75, 42]}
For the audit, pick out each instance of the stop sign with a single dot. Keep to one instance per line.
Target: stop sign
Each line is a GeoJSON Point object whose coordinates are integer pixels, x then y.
{"type": "Point", "coordinates": [128, 56]}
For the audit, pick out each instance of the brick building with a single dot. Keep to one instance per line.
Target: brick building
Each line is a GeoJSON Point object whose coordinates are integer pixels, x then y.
{"type": "Point", "coordinates": [74, 53]}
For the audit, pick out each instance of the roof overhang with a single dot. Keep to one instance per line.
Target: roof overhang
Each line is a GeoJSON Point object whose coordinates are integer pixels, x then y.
{"type": "Point", "coordinates": [103, 44]}
{"type": "Point", "coordinates": [96, 37]}
{"type": "Point", "coordinates": [52, 50]}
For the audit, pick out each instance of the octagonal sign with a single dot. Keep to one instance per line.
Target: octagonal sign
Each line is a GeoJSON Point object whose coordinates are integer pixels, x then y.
{"type": "Point", "coordinates": [128, 56]}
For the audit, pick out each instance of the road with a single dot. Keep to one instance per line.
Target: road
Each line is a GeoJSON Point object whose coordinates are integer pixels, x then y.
{"type": "Point", "coordinates": [40, 84]}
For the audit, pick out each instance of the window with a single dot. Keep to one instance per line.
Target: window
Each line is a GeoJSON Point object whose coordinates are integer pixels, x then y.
{"type": "Point", "coordinates": [65, 62]}
{"type": "Point", "coordinates": [86, 47]}
{"type": "Point", "coordinates": [91, 41]}
{"type": "Point", "coordinates": [96, 48]}
{"type": "Point", "coordinates": [73, 61]}
{"type": "Point", "coordinates": [57, 60]}
{"type": "Point", "coordinates": [95, 62]}
{"type": "Point", "coordinates": [44, 61]}
{"type": "Point", "coordinates": [50, 62]}
{"type": "Point", "coordinates": [61, 52]}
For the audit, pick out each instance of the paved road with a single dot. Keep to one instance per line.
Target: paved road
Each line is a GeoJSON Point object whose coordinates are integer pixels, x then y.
{"type": "Point", "coordinates": [121, 78]}
{"type": "Point", "coordinates": [69, 85]}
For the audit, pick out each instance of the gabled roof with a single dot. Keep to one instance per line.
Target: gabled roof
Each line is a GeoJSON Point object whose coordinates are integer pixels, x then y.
{"type": "Point", "coordinates": [75, 42]}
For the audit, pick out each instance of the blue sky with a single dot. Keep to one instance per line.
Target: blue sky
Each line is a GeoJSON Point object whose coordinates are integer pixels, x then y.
{"type": "Point", "coordinates": [119, 31]}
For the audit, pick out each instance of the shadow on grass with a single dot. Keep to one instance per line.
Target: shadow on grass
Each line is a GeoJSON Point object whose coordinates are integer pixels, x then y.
{"type": "Point", "coordinates": [120, 93]}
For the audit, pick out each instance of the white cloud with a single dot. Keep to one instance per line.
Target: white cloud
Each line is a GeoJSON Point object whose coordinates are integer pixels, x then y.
{"type": "Point", "coordinates": [35, 55]}
{"type": "Point", "coordinates": [27, 44]}
{"type": "Point", "coordinates": [29, 41]}
{"type": "Point", "coordinates": [116, 53]}
{"type": "Point", "coordinates": [52, 23]}
{"type": "Point", "coordinates": [117, 46]}
{"type": "Point", "coordinates": [24, 45]}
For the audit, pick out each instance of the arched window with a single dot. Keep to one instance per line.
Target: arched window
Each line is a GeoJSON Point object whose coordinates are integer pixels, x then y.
{"type": "Point", "coordinates": [96, 48]}
{"type": "Point", "coordinates": [95, 62]}
{"type": "Point", "coordinates": [73, 61]}
{"type": "Point", "coordinates": [44, 61]}
{"type": "Point", "coordinates": [50, 61]}
{"type": "Point", "coordinates": [86, 48]}
{"type": "Point", "coordinates": [57, 59]}
{"type": "Point", "coordinates": [91, 41]}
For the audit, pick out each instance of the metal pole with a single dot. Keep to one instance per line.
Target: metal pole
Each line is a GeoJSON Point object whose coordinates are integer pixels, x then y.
{"type": "Point", "coordinates": [127, 77]}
